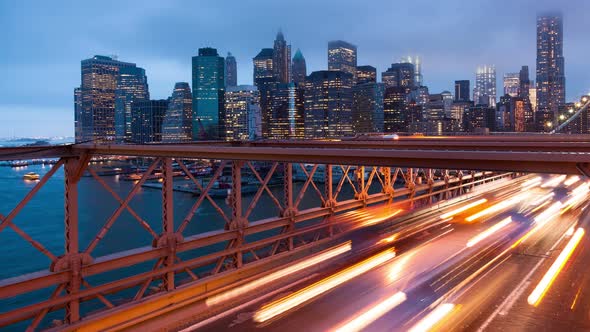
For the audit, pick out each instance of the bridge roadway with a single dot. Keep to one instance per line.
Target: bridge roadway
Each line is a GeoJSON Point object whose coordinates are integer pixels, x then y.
{"type": "Point", "coordinates": [488, 282]}
{"type": "Point", "coordinates": [566, 154]}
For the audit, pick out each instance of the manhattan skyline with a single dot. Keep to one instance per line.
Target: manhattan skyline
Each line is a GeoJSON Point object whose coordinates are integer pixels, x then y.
{"type": "Point", "coordinates": [41, 61]}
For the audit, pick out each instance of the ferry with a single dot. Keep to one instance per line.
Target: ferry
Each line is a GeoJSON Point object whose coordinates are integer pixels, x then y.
{"type": "Point", "coordinates": [31, 176]}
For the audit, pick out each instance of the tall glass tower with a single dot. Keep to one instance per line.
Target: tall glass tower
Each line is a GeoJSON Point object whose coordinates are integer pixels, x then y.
{"type": "Point", "coordinates": [95, 99]}
{"type": "Point", "coordinates": [485, 86]}
{"type": "Point", "coordinates": [342, 56]}
{"type": "Point", "coordinates": [281, 59]}
{"type": "Point", "coordinates": [231, 70]}
{"type": "Point", "coordinates": [132, 87]}
{"type": "Point", "coordinates": [177, 126]}
{"type": "Point", "coordinates": [208, 95]}
{"type": "Point", "coordinates": [550, 63]}
{"type": "Point", "coordinates": [299, 69]}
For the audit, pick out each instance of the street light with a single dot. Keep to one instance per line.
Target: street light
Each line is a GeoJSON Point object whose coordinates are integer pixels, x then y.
{"type": "Point", "coordinates": [549, 124]}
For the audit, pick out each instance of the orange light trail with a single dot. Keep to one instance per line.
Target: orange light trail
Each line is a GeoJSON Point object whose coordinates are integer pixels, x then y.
{"type": "Point", "coordinates": [321, 257]}
{"type": "Point", "coordinates": [473, 241]}
{"type": "Point", "coordinates": [463, 208]}
{"type": "Point", "coordinates": [293, 300]}
{"type": "Point", "coordinates": [499, 206]}
{"type": "Point", "coordinates": [375, 312]}
{"type": "Point", "coordinates": [543, 286]}
{"type": "Point", "coordinates": [433, 318]}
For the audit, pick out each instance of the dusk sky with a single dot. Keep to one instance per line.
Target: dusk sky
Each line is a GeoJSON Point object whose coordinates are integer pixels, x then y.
{"type": "Point", "coordinates": [44, 41]}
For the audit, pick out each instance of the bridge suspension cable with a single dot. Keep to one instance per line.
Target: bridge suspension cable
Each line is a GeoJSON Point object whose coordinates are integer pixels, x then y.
{"type": "Point", "coordinates": [583, 108]}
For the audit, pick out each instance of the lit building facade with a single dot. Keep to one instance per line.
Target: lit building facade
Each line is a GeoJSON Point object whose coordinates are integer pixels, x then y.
{"type": "Point", "coordinates": [484, 92]}
{"type": "Point", "coordinates": [399, 75]}
{"type": "Point", "coordinates": [366, 74]}
{"type": "Point", "coordinates": [240, 101]}
{"type": "Point", "coordinates": [96, 98]}
{"type": "Point", "coordinates": [479, 118]}
{"type": "Point", "coordinates": [367, 108]}
{"type": "Point", "coordinates": [263, 66]}
{"type": "Point", "coordinates": [512, 84]}
{"type": "Point", "coordinates": [395, 110]}
{"type": "Point", "coordinates": [178, 122]}
{"type": "Point", "coordinates": [208, 95]}
{"type": "Point", "coordinates": [342, 56]}
{"type": "Point", "coordinates": [550, 63]}
{"type": "Point", "coordinates": [231, 70]}
{"type": "Point", "coordinates": [132, 87]}
{"type": "Point", "coordinates": [328, 104]}
{"type": "Point", "coordinates": [285, 112]}
{"type": "Point", "coordinates": [147, 118]}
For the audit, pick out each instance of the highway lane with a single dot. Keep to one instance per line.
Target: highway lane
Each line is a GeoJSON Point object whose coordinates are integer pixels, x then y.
{"type": "Point", "coordinates": [451, 261]}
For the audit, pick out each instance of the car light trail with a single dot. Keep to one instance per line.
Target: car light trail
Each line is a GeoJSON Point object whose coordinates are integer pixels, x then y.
{"type": "Point", "coordinates": [288, 302]}
{"type": "Point", "coordinates": [540, 221]}
{"type": "Point", "coordinates": [374, 313]}
{"type": "Point", "coordinates": [571, 180]}
{"type": "Point", "coordinates": [489, 232]}
{"type": "Point", "coordinates": [537, 295]}
{"type": "Point", "coordinates": [543, 199]}
{"type": "Point", "coordinates": [433, 318]}
{"type": "Point", "coordinates": [463, 208]}
{"type": "Point", "coordinates": [499, 206]}
{"type": "Point", "coordinates": [577, 196]}
{"type": "Point", "coordinates": [548, 214]}
{"type": "Point", "coordinates": [554, 182]}
{"type": "Point", "coordinates": [321, 257]}
{"type": "Point", "coordinates": [531, 183]}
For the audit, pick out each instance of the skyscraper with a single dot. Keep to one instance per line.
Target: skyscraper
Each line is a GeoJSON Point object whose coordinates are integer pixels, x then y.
{"type": "Point", "coordinates": [208, 95]}
{"type": "Point", "coordinates": [550, 63]}
{"type": "Point", "coordinates": [342, 56]}
{"type": "Point", "coordinates": [299, 69]}
{"type": "Point", "coordinates": [177, 125]}
{"type": "Point", "coordinates": [147, 117]}
{"type": "Point", "coordinates": [284, 113]}
{"type": "Point", "coordinates": [328, 103]}
{"type": "Point", "coordinates": [281, 59]}
{"type": "Point", "coordinates": [96, 113]}
{"type": "Point", "coordinates": [367, 107]}
{"type": "Point", "coordinates": [462, 90]}
{"type": "Point", "coordinates": [399, 75]}
{"type": "Point", "coordinates": [366, 74]}
{"type": "Point", "coordinates": [396, 115]}
{"type": "Point", "coordinates": [231, 70]}
{"type": "Point", "coordinates": [240, 101]}
{"type": "Point", "coordinates": [417, 62]}
{"type": "Point", "coordinates": [132, 87]}
{"type": "Point", "coordinates": [484, 92]}
{"type": "Point", "coordinates": [512, 84]}
{"type": "Point", "coordinates": [263, 65]}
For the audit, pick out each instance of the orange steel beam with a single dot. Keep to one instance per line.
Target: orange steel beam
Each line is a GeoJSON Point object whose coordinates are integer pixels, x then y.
{"type": "Point", "coordinates": [429, 157]}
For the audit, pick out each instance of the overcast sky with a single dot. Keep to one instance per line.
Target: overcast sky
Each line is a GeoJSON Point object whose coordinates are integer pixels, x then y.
{"type": "Point", "coordinates": [42, 42]}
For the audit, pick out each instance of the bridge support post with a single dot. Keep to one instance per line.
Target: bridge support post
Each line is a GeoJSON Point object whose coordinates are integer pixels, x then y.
{"type": "Point", "coordinates": [72, 259]}
{"type": "Point", "coordinates": [362, 190]}
{"type": "Point", "coordinates": [289, 210]}
{"type": "Point", "coordinates": [410, 184]}
{"type": "Point", "coordinates": [168, 218]}
{"type": "Point", "coordinates": [238, 221]}
{"type": "Point", "coordinates": [328, 192]}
